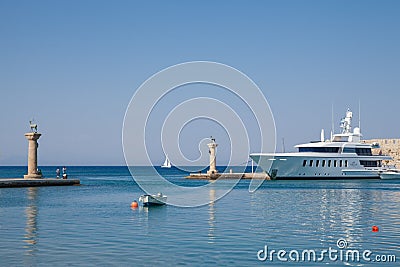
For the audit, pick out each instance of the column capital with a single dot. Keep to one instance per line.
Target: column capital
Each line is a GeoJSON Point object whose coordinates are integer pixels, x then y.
{"type": "Point", "coordinates": [32, 136]}
{"type": "Point", "coordinates": [211, 145]}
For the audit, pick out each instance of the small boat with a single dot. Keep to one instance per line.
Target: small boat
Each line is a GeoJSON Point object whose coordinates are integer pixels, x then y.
{"type": "Point", "coordinates": [152, 200]}
{"type": "Point", "coordinates": [391, 174]}
{"type": "Point", "coordinates": [167, 163]}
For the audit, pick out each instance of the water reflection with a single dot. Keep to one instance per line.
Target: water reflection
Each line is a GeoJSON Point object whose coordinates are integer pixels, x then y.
{"type": "Point", "coordinates": [31, 211]}
{"type": "Point", "coordinates": [322, 216]}
{"type": "Point", "coordinates": [150, 217]}
{"type": "Point", "coordinates": [211, 219]}
{"type": "Point", "coordinates": [345, 213]}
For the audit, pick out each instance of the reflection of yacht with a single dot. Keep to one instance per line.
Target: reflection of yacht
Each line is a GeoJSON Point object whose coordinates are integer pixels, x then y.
{"type": "Point", "coordinates": [167, 163]}
{"type": "Point", "coordinates": [343, 156]}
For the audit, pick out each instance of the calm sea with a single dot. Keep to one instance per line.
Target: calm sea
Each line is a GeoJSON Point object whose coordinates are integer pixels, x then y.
{"type": "Point", "coordinates": [93, 224]}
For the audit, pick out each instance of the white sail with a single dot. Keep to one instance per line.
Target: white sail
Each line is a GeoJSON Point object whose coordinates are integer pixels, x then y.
{"type": "Point", "coordinates": [167, 163]}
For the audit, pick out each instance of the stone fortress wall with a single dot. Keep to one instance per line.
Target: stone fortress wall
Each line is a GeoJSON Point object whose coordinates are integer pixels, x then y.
{"type": "Point", "coordinates": [389, 147]}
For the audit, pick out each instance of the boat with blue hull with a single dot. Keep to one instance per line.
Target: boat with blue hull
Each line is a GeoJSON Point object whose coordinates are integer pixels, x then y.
{"type": "Point", "coordinates": [153, 200]}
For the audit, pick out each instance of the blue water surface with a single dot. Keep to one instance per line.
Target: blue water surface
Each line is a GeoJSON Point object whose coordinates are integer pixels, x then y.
{"type": "Point", "coordinates": [93, 224]}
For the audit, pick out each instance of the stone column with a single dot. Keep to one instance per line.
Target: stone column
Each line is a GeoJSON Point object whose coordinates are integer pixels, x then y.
{"type": "Point", "coordinates": [213, 164]}
{"type": "Point", "coordinates": [32, 156]}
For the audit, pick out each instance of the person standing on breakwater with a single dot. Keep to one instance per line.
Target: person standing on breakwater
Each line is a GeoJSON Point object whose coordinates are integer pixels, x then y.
{"type": "Point", "coordinates": [58, 172]}
{"type": "Point", "coordinates": [64, 170]}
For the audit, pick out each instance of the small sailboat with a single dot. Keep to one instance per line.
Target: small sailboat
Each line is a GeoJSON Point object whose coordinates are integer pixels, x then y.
{"type": "Point", "coordinates": [167, 163]}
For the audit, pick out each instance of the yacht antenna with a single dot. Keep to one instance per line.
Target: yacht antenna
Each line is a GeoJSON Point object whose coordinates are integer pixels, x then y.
{"type": "Point", "coordinates": [283, 145]}
{"type": "Point", "coordinates": [359, 114]}
{"type": "Point", "coordinates": [332, 129]}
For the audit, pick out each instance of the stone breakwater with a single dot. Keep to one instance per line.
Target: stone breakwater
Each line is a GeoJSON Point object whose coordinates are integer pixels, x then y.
{"type": "Point", "coordinates": [207, 176]}
{"type": "Point", "coordinates": [18, 182]}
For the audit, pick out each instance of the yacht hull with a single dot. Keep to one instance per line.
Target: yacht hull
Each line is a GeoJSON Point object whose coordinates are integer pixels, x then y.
{"type": "Point", "coordinates": [389, 175]}
{"type": "Point", "coordinates": [315, 167]}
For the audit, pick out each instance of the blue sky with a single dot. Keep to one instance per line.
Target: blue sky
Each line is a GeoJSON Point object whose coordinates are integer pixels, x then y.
{"type": "Point", "coordinates": [74, 66]}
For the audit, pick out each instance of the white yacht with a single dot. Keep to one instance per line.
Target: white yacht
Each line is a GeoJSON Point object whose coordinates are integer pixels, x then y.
{"type": "Point", "coordinates": [342, 156]}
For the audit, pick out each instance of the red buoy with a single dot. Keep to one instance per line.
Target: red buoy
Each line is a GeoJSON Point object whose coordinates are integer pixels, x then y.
{"type": "Point", "coordinates": [134, 204]}
{"type": "Point", "coordinates": [375, 229]}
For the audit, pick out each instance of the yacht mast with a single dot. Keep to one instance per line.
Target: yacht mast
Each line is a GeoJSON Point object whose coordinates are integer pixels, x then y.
{"type": "Point", "coordinates": [332, 130]}
{"type": "Point", "coordinates": [359, 114]}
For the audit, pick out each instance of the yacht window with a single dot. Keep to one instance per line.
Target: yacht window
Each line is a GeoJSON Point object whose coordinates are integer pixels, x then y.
{"type": "Point", "coordinates": [345, 163]}
{"type": "Point", "coordinates": [319, 149]}
{"type": "Point", "coordinates": [317, 163]}
{"type": "Point", "coordinates": [334, 163]}
{"type": "Point", "coordinates": [311, 162]}
{"type": "Point", "coordinates": [340, 163]}
{"type": "Point", "coordinates": [329, 163]}
{"type": "Point", "coordinates": [349, 150]}
{"type": "Point", "coordinates": [369, 163]}
{"type": "Point", "coordinates": [323, 163]}
{"type": "Point", "coordinates": [304, 163]}
{"type": "Point", "coordinates": [364, 151]}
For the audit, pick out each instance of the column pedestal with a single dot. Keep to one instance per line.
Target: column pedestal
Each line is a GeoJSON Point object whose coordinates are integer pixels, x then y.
{"type": "Point", "coordinates": [211, 146]}
{"type": "Point", "coordinates": [32, 156]}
